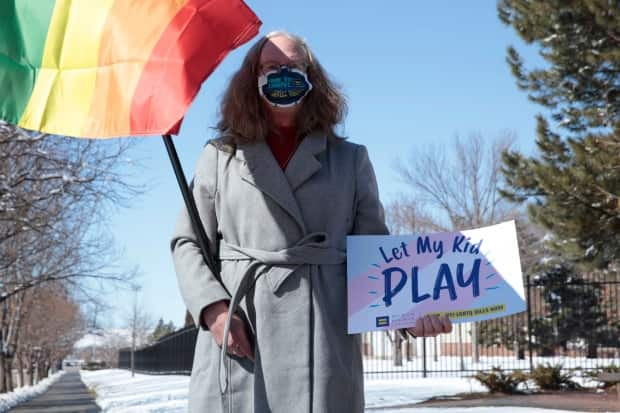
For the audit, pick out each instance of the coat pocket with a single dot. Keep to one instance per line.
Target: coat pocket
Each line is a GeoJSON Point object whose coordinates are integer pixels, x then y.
{"type": "Point", "coordinates": [204, 388]}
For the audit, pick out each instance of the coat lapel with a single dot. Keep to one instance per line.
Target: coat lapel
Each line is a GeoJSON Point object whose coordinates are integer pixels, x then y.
{"type": "Point", "coordinates": [261, 169]}
{"type": "Point", "coordinates": [304, 164]}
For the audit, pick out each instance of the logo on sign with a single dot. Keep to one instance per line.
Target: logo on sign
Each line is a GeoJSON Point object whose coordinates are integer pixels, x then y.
{"type": "Point", "coordinates": [383, 321]}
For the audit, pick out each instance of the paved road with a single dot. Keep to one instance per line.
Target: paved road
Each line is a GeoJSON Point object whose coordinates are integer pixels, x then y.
{"type": "Point", "coordinates": [67, 395]}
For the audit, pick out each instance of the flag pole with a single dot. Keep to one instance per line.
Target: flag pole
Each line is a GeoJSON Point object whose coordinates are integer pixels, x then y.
{"type": "Point", "coordinates": [190, 204]}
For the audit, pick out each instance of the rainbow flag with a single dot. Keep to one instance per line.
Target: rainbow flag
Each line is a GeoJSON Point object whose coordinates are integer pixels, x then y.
{"type": "Point", "coordinates": [106, 68]}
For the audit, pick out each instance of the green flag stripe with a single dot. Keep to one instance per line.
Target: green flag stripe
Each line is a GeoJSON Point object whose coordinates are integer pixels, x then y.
{"type": "Point", "coordinates": [23, 31]}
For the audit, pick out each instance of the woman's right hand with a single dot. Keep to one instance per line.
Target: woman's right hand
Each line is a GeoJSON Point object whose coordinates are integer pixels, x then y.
{"type": "Point", "coordinates": [214, 316]}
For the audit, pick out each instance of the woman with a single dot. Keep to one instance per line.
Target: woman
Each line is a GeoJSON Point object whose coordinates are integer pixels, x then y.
{"type": "Point", "coordinates": [278, 193]}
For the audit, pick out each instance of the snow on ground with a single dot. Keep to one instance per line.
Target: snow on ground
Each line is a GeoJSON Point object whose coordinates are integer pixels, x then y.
{"type": "Point", "coordinates": [508, 409]}
{"type": "Point", "coordinates": [398, 392]}
{"type": "Point", "coordinates": [22, 394]}
{"type": "Point", "coordinates": [118, 392]}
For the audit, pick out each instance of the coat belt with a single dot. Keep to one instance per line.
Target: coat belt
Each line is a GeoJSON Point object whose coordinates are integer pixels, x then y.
{"type": "Point", "coordinates": [313, 249]}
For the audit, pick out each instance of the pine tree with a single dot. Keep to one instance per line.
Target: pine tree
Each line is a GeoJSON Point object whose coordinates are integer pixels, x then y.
{"type": "Point", "coordinates": [157, 332]}
{"type": "Point", "coordinates": [575, 181]}
{"type": "Point", "coordinates": [162, 329]}
{"type": "Point", "coordinates": [169, 328]}
{"type": "Point", "coordinates": [189, 320]}
{"type": "Point", "coordinates": [580, 39]}
{"type": "Point", "coordinates": [575, 311]}
{"type": "Point", "coordinates": [511, 332]}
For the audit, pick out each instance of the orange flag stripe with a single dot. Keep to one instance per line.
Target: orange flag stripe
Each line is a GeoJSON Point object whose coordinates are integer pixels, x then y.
{"type": "Point", "coordinates": [125, 49]}
{"type": "Point", "coordinates": [112, 68]}
{"type": "Point", "coordinates": [199, 37]}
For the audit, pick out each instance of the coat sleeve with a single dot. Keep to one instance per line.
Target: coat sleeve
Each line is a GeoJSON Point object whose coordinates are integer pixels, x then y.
{"type": "Point", "coordinates": [197, 284]}
{"type": "Point", "coordinates": [369, 212]}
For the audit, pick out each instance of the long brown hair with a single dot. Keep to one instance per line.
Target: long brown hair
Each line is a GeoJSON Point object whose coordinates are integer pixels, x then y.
{"type": "Point", "coordinates": [242, 116]}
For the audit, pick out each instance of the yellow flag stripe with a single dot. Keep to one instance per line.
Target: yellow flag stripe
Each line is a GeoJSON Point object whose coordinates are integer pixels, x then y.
{"type": "Point", "coordinates": [63, 92]}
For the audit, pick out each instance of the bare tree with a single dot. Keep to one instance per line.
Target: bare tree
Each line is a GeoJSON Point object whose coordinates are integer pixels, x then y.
{"type": "Point", "coordinates": [453, 189]}
{"type": "Point", "coordinates": [55, 197]}
{"type": "Point", "coordinates": [456, 189]}
{"type": "Point", "coordinates": [55, 191]}
{"type": "Point", "coordinates": [112, 342]}
{"type": "Point", "coordinates": [52, 322]}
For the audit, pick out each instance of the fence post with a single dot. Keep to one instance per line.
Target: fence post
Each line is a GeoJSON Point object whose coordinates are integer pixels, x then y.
{"type": "Point", "coordinates": [424, 357]}
{"type": "Point", "coordinates": [529, 321]}
{"type": "Point", "coordinates": [461, 347]}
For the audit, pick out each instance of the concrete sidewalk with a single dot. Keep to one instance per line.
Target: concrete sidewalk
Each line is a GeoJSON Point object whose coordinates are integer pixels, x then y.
{"type": "Point", "coordinates": [67, 395]}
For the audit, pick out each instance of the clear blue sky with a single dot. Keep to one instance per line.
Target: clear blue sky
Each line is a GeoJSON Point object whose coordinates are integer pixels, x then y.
{"type": "Point", "coordinates": [415, 73]}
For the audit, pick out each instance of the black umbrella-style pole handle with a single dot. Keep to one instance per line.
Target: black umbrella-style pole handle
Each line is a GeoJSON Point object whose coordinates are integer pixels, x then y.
{"type": "Point", "coordinates": [190, 204]}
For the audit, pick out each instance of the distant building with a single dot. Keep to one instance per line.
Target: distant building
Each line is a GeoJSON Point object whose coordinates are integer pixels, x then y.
{"type": "Point", "coordinates": [99, 345]}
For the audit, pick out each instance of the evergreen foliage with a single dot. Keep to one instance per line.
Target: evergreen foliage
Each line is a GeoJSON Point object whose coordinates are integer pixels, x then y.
{"type": "Point", "coordinates": [499, 382]}
{"type": "Point", "coordinates": [551, 377]}
{"type": "Point", "coordinates": [574, 182]}
{"type": "Point", "coordinates": [162, 329]}
{"type": "Point", "coordinates": [575, 313]}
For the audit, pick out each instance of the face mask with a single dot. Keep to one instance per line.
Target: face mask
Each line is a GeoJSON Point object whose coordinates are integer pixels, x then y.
{"type": "Point", "coordinates": [285, 87]}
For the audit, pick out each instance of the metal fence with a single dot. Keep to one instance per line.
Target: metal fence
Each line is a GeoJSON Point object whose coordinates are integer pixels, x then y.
{"type": "Point", "coordinates": [572, 322]}
{"type": "Point", "coordinates": [172, 354]}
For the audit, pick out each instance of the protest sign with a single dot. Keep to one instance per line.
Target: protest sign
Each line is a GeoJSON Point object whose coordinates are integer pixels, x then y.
{"type": "Point", "coordinates": [469, 275]}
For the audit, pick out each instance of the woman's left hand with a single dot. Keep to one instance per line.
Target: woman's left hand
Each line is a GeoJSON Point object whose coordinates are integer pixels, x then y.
{"type": "Point", "coordinates": [431, 326]}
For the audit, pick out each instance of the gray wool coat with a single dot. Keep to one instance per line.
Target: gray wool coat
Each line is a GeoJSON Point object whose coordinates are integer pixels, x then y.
{"type": "Point", "coordinates": [280, 238]}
